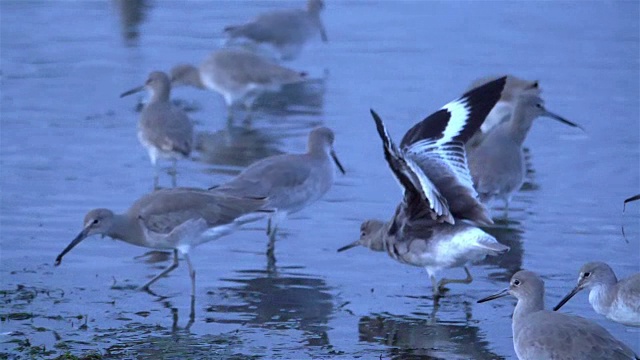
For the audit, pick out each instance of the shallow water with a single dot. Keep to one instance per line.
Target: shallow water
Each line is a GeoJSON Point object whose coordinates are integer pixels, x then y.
{"type": "Point", "coordinates": [68, 144]}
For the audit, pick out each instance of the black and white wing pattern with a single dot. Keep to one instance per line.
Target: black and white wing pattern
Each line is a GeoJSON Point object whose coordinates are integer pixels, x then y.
{"type": "Point", "coordinates": [431, 165]}
{"type": "Point", "coordinates": [437, 145]}
{"type": "Point", "coordinates": [412, 179]}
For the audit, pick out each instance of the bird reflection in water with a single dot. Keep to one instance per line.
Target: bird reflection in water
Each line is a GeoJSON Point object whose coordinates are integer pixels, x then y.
{"type": "Point", "coordinates": [408, 338]}
{"type": "Point", "coordinates": [306, 97]}
{"type": "Point", "coordinates": [237, 145]}
{"type": "Point", "coordinates": [131, 14]}
{"type": "Point", "coordinates": [287, 299]}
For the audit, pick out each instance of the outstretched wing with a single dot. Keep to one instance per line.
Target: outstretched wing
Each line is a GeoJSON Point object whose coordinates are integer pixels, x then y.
{"type": "Point", "coordinates": [416, 184]}
{"type": "Point", "coordinates": [437, 145]}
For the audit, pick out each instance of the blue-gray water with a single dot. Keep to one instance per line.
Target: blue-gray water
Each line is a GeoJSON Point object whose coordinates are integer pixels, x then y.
{"type": "Point", "coordinates": [68, 144]}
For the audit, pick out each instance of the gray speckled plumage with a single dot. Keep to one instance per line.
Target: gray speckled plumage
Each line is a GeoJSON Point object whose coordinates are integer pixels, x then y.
{"type": "Point", "coordinates": [285, 30]}
{"type": "Point", "coordinates": [543, 334]}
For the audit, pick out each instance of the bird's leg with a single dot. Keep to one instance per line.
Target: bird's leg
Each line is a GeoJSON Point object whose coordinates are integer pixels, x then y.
{"type": "Point", "coordinates": [169, 269]}
{"type": "Point", "coordinates": [156, 180]}
{"type": "Point", "coordinates": [174, 172]}
{"type": "Point", "coordinates": [507, 202]}
{"type": "Point", "coordinates": [192, 313]}
{"type": "Point", "coordinates": [435, 287]}
{"type": "Point", "coordinates": [466, 280]}
{"type": "Point", "coordinates": [248, 117]}
{"type": "Point", "coordinates": [271, 246]}
{"type": "Point", "coordinates": [192, 275]}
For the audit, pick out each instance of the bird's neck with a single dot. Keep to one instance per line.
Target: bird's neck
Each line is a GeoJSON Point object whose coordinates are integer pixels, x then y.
{"type": "Point", "coordinates": [318, 150]}
{"type": "Point", "coordinates": [123, 228]}
{"type": "Point", "coordinates": [601, 297]}
{"type": "Point", "coordinates": [375, 240]}
{"type": "Point", "coordinates": [519, 124]}
{"type": "Point", "coordinates": [192, 78]}
{"type": "Point", "coordinates": [161, 95]}
{"type": "Point", "coordinates": [525, 307]}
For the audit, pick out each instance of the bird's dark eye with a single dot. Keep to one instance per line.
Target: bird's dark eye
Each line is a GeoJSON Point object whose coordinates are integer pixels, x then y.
{"type": "Point", "coordinates": [535, 85]}
{"type": "Point", "coordinates": [363, 233]}
{"type": "Point", "coordinates": [587, 274]}
{"type": "Point", "coordinates": [539, 106]}
{"type": "Point", "coordinates": [516, 282]}
{"type": "Point", "coordinates": [96, 222]}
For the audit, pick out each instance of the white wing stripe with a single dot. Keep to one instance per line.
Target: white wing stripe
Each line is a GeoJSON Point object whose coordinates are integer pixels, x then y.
{"type": "Point", "coordinates": [428, 189]}
{"type": "Point", "coordinates": [459, 110]}
{"type": "Point", "coordinates": [451, 155]}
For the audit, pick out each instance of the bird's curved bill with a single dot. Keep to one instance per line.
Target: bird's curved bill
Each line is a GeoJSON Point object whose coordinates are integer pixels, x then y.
{"type": "Point", "coordinates": [132, 91]}
{"type": "Point", "coordinates": [566, 298]}
{"type": "Point", "coordinates": [338, 164]}
{"type": "Point", "coordinates": [500, 294]}
{"type": "Point", "coordinates": [347, 247]}
{"type": "Point", "coordinates": [83, 234]}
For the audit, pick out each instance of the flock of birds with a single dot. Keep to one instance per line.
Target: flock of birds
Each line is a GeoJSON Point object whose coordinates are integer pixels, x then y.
{"type": "Point", "coordinates": [449, 165]}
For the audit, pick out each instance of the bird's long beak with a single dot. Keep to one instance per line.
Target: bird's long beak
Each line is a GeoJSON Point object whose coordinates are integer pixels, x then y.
{"type": "Point", "coordinates": [132, 91]}
{"type": "Point", "coordinates": [347, 247]}
{"type": "Point", "coordinates": [338, 164]}
{"type": "Point", "coordinates": [559, 118]}
{"type": "Point", "coordinates": [567, 298]}
{"type": "Point", "coordinates": [83, 235]}
{"type": "Point", "coordinates": [500, 294]}
{"type": "Point", "coordinates": [633, 198]}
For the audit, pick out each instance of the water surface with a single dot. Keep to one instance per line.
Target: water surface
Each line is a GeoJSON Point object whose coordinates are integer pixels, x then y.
{"type": "Point", "coordinates": [68, 144]}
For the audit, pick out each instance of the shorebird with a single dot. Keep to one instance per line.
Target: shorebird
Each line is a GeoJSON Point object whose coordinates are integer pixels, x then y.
{"type": "Point", "coordinates": [285, 31]}
{"type": "Point", "coordinates": [238, 75]}
{"type": "Point", "coordinates": [175, 219]}
{"type": "Point", "coordinates": [617, 300]}
{"type": "Point", "coordinates": [497, 164]}
{"type": "Point", "coordinates": [289, 182]}
{"type": "Point", "coordinates": [163, 129]}
{"type": "Point", "coordinates": [431, 168]}
{"type": "Point", "coordinates": [543, 334]}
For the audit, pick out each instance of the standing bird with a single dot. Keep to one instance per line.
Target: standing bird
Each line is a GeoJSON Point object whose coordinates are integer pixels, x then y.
{"type": "Point", "coordinates": [617, 300]}
{"type": "Point", "coordinates": [504, 108]}
{"type": "Point", "coordinates": [431, 167]}
{"type": "Point", "coordinates": [238, 75]}
{"type": "Point", "coordinates": [172, 219]}
{"type": "Point", "coordinates": [286, 31]}
{"type": "Point", "coordinates": [543, 334]}
{"type": "Point", "coordinates": [289, 182]}
{"type": "Point", "coordinates": [163, 129]}
{"type": "Point", "coordinates": [497, 164]}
